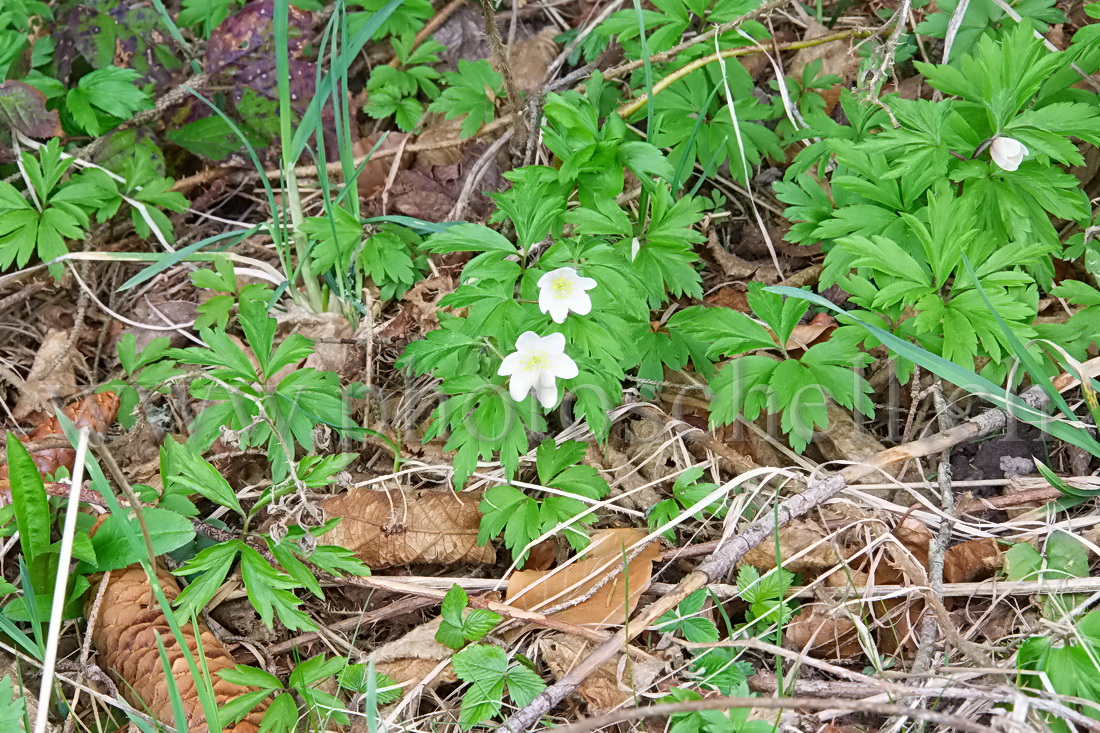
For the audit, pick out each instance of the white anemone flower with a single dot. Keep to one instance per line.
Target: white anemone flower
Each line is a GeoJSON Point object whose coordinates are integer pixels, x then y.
{"type": "Point", "coordinates": [536, 364]}
{"type": "Point", "coordinates": [1007, 153]}
{"type": "Point", "coordinates": [563, 290]}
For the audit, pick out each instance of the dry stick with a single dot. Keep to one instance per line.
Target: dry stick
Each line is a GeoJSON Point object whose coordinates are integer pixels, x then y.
{"type": "Point", "coordinates": [719, 564]}
{"type": "Point", "coordinates": [952, 722]}
{"type": "Point", "coordinates": [492, 34]}
{"type": "Point", "coordinates": [938, 546]}
{"type": "Point", "coordinates": [636, 104]}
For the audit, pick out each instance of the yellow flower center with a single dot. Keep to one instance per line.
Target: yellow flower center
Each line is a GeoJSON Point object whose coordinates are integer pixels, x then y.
{"type": "Point", "coordinates": [562, 287]}
{"type": "Point", "coordinates": [536, 361]}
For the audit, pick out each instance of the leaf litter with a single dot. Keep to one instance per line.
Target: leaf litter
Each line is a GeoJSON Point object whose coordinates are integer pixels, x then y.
{"type": "Point", "coordinates": [859, 542]}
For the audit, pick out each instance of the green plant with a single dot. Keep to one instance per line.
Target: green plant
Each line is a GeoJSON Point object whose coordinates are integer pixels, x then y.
{"type": "Point", "coordinates": [717, 668]}
{"type": "Point", "coordinates": [460, 626]}
{"type": "Point", "coordinates": [796, 387]}
{"type": "Point", "coordinates": [265, 404]}
{"type": "Point", "coordinates": [17, 19]}
{"type": "Point", "coordinates": [507, 509]}
{"type": "Point", "coordinates": [304, 684]}
{"type": "Point", "coordinates": [103, 98]}
{"type": "Point", "coordinates": [471, 91]}
{"type": "Point", "coordinates": [1068, 666]}
{"type": "Point", "coordinates": [911, 202]}
{"type": "Point", "coordinates": [686, 492]}
{"type": "Point", "coordinates": [52, 210]}
{"type": "Point", "coordinates": [394, 89]}
{"type": "Point", "coordinates": [1064, 557]}
{"type": "Point", "coordinates": [486, 669]}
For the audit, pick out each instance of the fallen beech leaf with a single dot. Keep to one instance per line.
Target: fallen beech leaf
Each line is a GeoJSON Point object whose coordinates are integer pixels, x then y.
{"type": "Point", "coordinates": [385, 528]}
{"type": "Point", "coordinates": [599, 605]}
{"type": "Point", "coordinates": [972, 560]}
{"type": "Point", "coordinates": [611, 685]}
{"type": "Point", "coordinates": [125, 635]}
{"type": "Point", "coordinates": [816, 631]}
{"type": "Point", "coordinates": [40, 387]}
{"type": "Point", "coordinates": [376, 171]}
{"type": "Point", "coordinates": [836, 57]}
{"type": "Point", "coordinates": [410, 659]}
{"type": "Point", "coordinates": [806, 335]}
{"type": "Point", "coordinates": [795, 537]}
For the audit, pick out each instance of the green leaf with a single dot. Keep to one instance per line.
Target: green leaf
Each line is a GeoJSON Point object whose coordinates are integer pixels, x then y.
{"type": "Point", "coordinates": [32, 513]}
{"type": "Point", "coordinates": [471, 91]}
{"type": "Point", "coordinates": [168, 531]}
{"type": "Point", "coordinates": [269, 592]}
{"type": "Point", "coordinates": [214, 563]}
{"type": "Point", "coordinates": [191, 474]}
{"type": "Point", "coordinates": [483, 667]}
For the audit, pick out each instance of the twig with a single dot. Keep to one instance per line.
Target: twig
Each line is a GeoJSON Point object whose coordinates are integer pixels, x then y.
{"type": "Point", "coordinates": [636, 104]}
{"type": "Point", "coordinates": [775, 703]}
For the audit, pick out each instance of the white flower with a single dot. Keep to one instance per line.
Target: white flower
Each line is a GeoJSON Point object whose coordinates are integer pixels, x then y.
{"type": "Point", "coordinates": [535, 365]}
{"type": "Point", "coordinates": [1007, 153]}
{"type": "Point", "coordinates": [563, 290]}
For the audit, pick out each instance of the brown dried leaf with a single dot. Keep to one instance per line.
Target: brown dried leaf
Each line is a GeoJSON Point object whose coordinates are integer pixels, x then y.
{"type": "Point", "coordinates": [376, 171]}
{"type": "Point", "coordinates": [125, 635]}
{"type": "Point", "coordinates": [385, 528]}
{"type": "Point", "coordinates": [410, 659]}
{"type": "Point", "coordinates": [795, 537]}
{"type": "Point", "coordinates": [530, 58]}
{"type": "Point", "coordinates": [815, 630]}
{"type": "Point", "coordinates": [972, 560]}
{"type": "Point", "coordinates": [95, 412]}
{"type": "Point", "coordinates": [40, 388]}
{"type": "Point", "coordinates": [611, 685]}
{"type": "Point", "coordinates": [600, 603]}
{"type": "Point", "coordinates": [837, 57]}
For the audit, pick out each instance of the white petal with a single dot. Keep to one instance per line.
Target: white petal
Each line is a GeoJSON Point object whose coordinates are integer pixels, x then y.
{"type": "Point", "coordinates": [563, 366]}
{"type": "Point", "coordinates": [580, 303]}
{"type": "Point", "coordinates": [586, 283]}
{"type": "Point", "coordinates": [558, 310]}
{"type": "Point", "coordinates": [528, 341]}
{"type": "Point", "coordinates": [544, 281]}
{"type": "Point", "coordinates": [520, 384]}
{"type": "Point", "coordinates": [546, 300]}
{"type": "Point", "coordinates": [548, 396]}
{"type": "Point", "coordinates": [554, 343]}
{"type": "Point", "coordinates": [635, 247]}
{"type": "Point", "coordinates": [1007, 153]}
{"type": "Point", "coordinates": [510, 364]}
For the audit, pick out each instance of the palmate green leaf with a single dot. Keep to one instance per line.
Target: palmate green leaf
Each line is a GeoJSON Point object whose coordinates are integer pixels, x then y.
{"type": "Point", "coordinates": [213, 563]}
{"type": "Point", "coordinates": [535, 204]}
{"type": "Point", "coordinates": [524, 685]}
{"type": "Point", "coordinates": [111, 90]}
{"type": "Point", "coordinates": [960, 377]}
{"type": "Point", "coordinates": [269, 592]}
{"type": "Point", "coordinates": [552, 459]}
{"type": "Point", "coordinates": [13, 706]}
{"type": "Point", "coordinates": [189, 473]}
{"type": "Point", "coordinates": [740, 387]}
{"type": "Point", "coordinates": [725, 332]}
{"type": "Point", "coordinates": [484, 668]}
{"type": "Point", "coordinates": [470, 91]}
{"type": "Point", "coordinates": [782, 315]}
{"type": "Point", "coordinates": [469, 238]}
